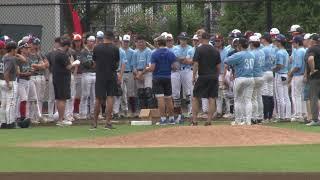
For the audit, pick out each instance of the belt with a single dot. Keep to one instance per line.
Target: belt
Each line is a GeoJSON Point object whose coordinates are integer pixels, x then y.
{"type": "Point", "coordinates": [184, 68]}
{"type": "Point", "coordinates": [127, 71]}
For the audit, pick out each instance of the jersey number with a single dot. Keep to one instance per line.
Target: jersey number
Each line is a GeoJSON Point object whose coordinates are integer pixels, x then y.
{"type": "Point", "coordinates": [249, 63]}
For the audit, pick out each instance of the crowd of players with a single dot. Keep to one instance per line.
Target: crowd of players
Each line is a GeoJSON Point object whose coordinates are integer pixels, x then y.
{"type": "Point", "coordinates": [259, 78]}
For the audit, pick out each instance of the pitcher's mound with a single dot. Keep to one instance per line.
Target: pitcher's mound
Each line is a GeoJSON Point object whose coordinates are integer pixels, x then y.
{"type": "Point", "coordinates": [185, 136]}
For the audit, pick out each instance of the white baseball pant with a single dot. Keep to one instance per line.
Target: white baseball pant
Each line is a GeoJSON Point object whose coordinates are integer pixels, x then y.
{"type": "Point", "coordinates": [222, 91]}
{"type": "Point", "coordinates": [88, 91]}
{"type": "Point", "coordinates": [8, 102]}
{"type": "Point", "coordinates": [282, 96]}
{"type": "Point", "coordinates": [51, 98]}
{"type": "Point", "coordinates": [145, 82]}
{"type": "Point", "coordinates": [23, 94]}
{"type": "Point", "coordinates": [297, 97]}
{"type": "Point", "coordinates": [32, 104]}
{"type": "Point", "coordinates": [70, 102]}
{"type": "Point", "coordinates": [267, 88]}
{"type": "Point", "coordinates": [78, 90]}
{"type": "Point", "coordinates": [257, 104]}
{"type": "Point", "coordinates": [40, 84]}
{"type": "Point", "coordinates": [243, 90]}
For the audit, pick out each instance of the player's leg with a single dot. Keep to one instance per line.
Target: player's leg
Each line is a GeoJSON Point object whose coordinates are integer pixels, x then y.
{"type": "Point", "coordinates": [85, 92]}
{"type": "Point", "coordinates": [187, 86]}
{"type": "Point", "coordinates": [249, 85]}
{"type": "Point", "coordinates": [77, 93]}
{"type": "Point", "coordinates": [3, 104]}
{"type": "Point", "coordinates": [124, 99]}
{"type": "Point", "coordinates": [11, 104]}
{"type": "Point", "coordinates": [259, 83]}
{"type": "Point", "coordinates": [92, 94]}
{"type": "Point", "coordinates": [51, 104]}
{"type": "Point", "coordinates": [176, 89]}
{"type": "Point", "coordinates": [287, 102]}
{"type": "Point", "coordinates": [149, 96]}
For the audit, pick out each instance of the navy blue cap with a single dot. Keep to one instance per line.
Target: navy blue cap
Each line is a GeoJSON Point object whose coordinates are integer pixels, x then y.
{"type": "Point", "coordinates": [280, 38]}
{"type": "Point", "coordinates": [297, 39]}
{"type": "Point", "coordinates": [183, 35]}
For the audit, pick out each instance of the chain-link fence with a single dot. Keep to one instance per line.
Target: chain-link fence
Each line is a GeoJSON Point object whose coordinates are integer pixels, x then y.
{"type": "Point", "coordinates": [48, 19]}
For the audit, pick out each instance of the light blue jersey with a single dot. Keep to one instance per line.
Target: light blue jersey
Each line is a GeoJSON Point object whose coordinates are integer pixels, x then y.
{"type": "Point", "coordinates": [223, 56]}
{"type": "Point", "coordinates": [282, 58]}
{"type": "Point", "coordinates": [191, 52]}
{"type": "Point", "coordinates": [171, 49]}
{"type": "Point", "coordinates": [269, 61]}
{"type": "Point", "coordinates": [142, 58]}
{"type": "Point", "coordinates": [259, 59]}
{"type": "Point", "coordinates": [129, 54]}
{"type": "Point", "coordinates": [243, 63]}
{"type": "Point", "coordinates": [298, 61]}
{"type": "Point", "coordinates": [182, 52]}
{"type": "Point", "coordinates": [123, 58]}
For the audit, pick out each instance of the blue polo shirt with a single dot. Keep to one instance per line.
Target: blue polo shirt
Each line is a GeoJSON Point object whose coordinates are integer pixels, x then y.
{"type": "Point", "coordinates": [163, 59]}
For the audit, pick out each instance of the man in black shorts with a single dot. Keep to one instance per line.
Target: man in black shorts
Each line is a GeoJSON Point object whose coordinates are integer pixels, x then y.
{"type": "Point", "coordinates": [161, 63]}
{"type": "Point", "coordinates": [61, 77]}
{"type": "Point", "coordinates": [206, 64]}
{"type": "Point", "coordinates": [106, 57]}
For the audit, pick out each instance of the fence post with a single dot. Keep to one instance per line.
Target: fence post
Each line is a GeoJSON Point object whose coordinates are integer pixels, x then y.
{"type": "Point", "coordinates": [269, 14]}
{"type": "Point", "coordinates": [88, 9]}
{"type": "Point", "coordinates": [179, 16]}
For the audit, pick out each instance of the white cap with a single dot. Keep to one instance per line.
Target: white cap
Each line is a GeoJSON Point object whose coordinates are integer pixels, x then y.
{"type": "Point", "coordinates": [274, 31]}
{"type": "Point", "coordinates": [126, 37]}
{"type": "Point", "coordinates": [26, 39]}
{"type": "Point", "coordinates": [100, 34]}
{"type": "Point", "coordinates": [120, 38]}
{"type": "Point", "coordinates": [91, 38]}
{"type": "Point", "coordinates": [257, 34]}
{"type": "Point", "coordinates": [254, 39]}
{"type": "Point", "coordinates": [294, 28]}
{"type": "Point", "coordinates": [164, 34]}
{"type": "Point", "coordinates": [195, 37]}
{"type": "Point", "coordinates": [21, 41]}
{"type": "Point", "coordinates": [307, 36]}
{"type": "Point", "coordinates": [169, 36]}
{"type": "Point", "coordinates": [236, 31]}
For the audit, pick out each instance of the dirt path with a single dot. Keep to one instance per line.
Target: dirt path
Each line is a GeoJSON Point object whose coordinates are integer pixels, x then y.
{"type": "Point", "coordinates": [186, 136]}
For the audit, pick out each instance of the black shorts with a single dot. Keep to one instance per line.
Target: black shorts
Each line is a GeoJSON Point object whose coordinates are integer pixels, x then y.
{"type": "Point", "coordinates": [162, 86]}
{"type": "Point", "coordinates": [106, 88]}
{"type": "Point", "coordinates": [62, 90]}
{"type": "Point", "coordinates": [206, 88]}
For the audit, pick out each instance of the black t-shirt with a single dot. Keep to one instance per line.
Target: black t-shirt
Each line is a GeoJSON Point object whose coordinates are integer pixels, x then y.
{"type": "Point", "coordinates": [1, 68]}
{"type": "Point", "coordinates": [50, 56]}
{"type": "Point", "coordinates": [208, 58]}
{"type": "Point", "coordinates": [107, 59]}
{"type": "Point", "coordinates": [315, 51]}
{"type": "Point", "coordinates": [60, 62]}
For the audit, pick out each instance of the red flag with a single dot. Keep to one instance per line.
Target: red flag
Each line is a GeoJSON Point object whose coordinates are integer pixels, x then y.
{"type": "Point", "coordinates": [75, 19]}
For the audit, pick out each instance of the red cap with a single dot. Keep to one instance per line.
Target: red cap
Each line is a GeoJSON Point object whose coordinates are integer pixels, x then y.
{"type": "Point", "coordinates": [77, 37]}
{"type": "Point", "coordinates": [2, 45]}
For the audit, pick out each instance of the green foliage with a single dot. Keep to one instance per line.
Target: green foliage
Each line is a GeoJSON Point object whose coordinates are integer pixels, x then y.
{"type": "Point", "coordinates": [252, 16]}
{"type": "Point", "coordinates": [164, 20]}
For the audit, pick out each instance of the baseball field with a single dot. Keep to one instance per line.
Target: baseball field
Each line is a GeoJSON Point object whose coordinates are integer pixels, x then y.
{"type": "Point", "coordinates": [281, 147]}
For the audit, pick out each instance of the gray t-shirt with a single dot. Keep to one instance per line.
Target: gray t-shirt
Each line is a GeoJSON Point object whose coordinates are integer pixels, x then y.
{"type": "Point", "coordinates": [86, 61]}
{"type": "Point", "coordinates": [10, 66]}
{"type": "Point", "coordinates": [36, 59]}
{"type": "Point", "coordinates": [1, 68]}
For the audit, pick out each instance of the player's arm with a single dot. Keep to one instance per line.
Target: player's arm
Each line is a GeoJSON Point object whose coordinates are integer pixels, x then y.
{"type": "Point", "coordinates": [21, 58]}
{"type": "Point", "coordinates": [195, 71]}
{"type": "Point", "coordinates": [311, 65]}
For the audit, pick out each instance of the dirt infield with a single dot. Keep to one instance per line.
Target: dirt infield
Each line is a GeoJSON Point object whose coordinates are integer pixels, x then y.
{"type": "Point", "coordinates": [185, 136]}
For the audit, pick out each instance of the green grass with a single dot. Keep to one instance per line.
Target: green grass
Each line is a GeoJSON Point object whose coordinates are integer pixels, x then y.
{"type": "Point", "coordinates": [297, 158]}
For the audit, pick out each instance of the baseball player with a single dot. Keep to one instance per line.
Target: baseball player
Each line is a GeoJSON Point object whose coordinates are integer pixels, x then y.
{"type": "Point", "coordinates": [267, 88]}
{"type": "Point", "coordinates": [88, 80]}
{"type": "Point", "coordinates": [181, 76]}
{"type": "Point", "coordinates": [24, 81]}
{"type": "Point", "coordinates": [306, 91]}
{"type": "Point", "coordinates": [281, 78]}
{"type": "Point", "coordinates": [77, 50]}
{"type": "Point", "coordinates": [257, 105]}
{"type": "Point", "coordinates": [143, 77]}
{"type": "Point", "coordinates": [243, 63]}
{"type": "Point", "coordinates": [297, 71]}
{"type": "Point", "coordinates": [219, 45]}
{"type": "Point", "coordinates": [9, 85]}
{"type": "Point", "coordinates": [39, 63]}
{"type": "Point", "coordinates": [170, 41]}
{"type": "Point", "coordinates": [51, 98]}
{"type": "Point", "coordinates": [128, 80]}
{"type": "Point", "coordinates": [120, 71]}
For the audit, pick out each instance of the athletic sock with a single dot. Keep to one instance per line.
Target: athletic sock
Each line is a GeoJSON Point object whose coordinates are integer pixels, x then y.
{"type": "Point", "coordinates": [23, 108]}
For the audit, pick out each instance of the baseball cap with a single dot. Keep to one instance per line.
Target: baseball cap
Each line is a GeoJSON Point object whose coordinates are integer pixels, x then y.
{"type": "Point", "coordinates": [234, 35]}
{"type": "Point", "coordinates": [254, 39]}
{"type": "Point", "coordinates": [258, 34]}
{"type": "Point", "coordinates": [77, 37]}
{"type": "Point", "coordinates": [183, 36]}
{"type": "Point", "coordinates": [126, 37]}
{"type": "Point", "coordinates": [307, 36]}
{"type": "Point", "coordinates": [2, 44]}
{"type": "Point", "coordinates": [11, 45]}
{"type": "Point", "coordinates": [294, 28]}
{"type": "Point", "coordinates": [35, 41]}
{"type": "Point", "coordinates": [164, 34]}
{"type": "Point", "coordinates": [280, 38]}
{"type": "Point", "coordinates": [297, 39]}
{"type": "Point", "coordinates": [169, 36]}
{"type": "Point", "coordinates": [236, 31]}
{"type": "Point", "coordinates": [91, 38]}
{"type": "Point", "coordinates": [100, 35]}
{"type": "Point", "coordinates": [23, 44]}
{"type": "Point", "coordinates": [315, 37]}
{"type": "Point", "coordinates": [274, 31]}
{"type": "Point", "coordinates": [248, 34]}
{"type": "Point", "coordinates": [195, 37]}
